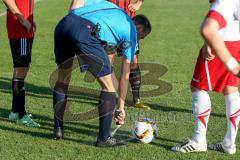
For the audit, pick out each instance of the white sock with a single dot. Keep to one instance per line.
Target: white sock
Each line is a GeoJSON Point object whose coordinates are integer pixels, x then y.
{"type": "Point", "coordinates": [201, 105]}
{"type": "Point", "coordinates": [233, 116]}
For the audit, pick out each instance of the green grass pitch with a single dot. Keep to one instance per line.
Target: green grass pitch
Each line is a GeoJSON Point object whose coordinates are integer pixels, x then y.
{"type": "Point", "coordinates": [173, 43]}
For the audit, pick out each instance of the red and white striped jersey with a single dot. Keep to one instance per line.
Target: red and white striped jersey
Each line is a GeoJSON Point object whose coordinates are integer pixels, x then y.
{"type": "Point", "coordinates": [15, 29]}
{"type": "Point", "coordinates": [123, 4]}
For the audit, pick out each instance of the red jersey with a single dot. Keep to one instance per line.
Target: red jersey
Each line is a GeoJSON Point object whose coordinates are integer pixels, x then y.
{"type": "Point", "coordinates": [15, 29]}
{"type": "Point", "coordinates": [123, 4]}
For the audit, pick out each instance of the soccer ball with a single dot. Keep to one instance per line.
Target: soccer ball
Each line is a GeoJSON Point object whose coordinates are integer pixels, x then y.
{"type": "Point", "coordinates": [145, 130]}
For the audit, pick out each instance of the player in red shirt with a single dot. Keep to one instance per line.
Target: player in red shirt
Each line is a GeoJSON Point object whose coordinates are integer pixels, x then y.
{"type": "Point", "coordinates": [127, 5]}
{"type": "Point", "coordinates": [135, 75]}
{"type": "Point", "coordinates": [21, 28]}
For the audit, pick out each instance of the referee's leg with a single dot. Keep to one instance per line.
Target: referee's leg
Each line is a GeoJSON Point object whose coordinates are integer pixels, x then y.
{"type": "Point", "coordinates": [64, 53]}
{"type": "Point", "coordinates": [60, 92]}
{"type": "Point", "coordinates": [94, 56]}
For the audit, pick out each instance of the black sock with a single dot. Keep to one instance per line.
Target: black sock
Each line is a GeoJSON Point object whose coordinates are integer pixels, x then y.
{"type": "Point", "coordinates": [18, 97]}
{"type": "Point", "coordinates": [135, 81]}
{"type": "Point", "coordinates": [59, 103]}
{"type": "Point", "coordinates": [107, 103]}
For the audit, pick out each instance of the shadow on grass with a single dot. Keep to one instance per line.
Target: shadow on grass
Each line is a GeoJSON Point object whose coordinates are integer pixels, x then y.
{"type": "Point", "coordinates": [77, 127]}
{"type": "Point", "coordinates": [167, 140]}
{"type": "Point", "coordinates": [165, 146]}
{"type": "Point", "coordinates": [46, 92]}
{"type": "Point", "coordinates": [32, 90]}
{"type": "Point", "coordinates": [79, 94]}
{"type": "Point", "coordinates": [48, 134]}
{"type": "Point", "coordinates": [83, 128]}
{"type": "Point", "coordinates": [161, 142]}
{"type": "Point", "coordinates": [44, 135]}
{"type": "Point", "coordinates": [164, 108]}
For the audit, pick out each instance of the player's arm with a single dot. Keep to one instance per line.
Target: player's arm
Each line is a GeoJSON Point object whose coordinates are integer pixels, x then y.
{"type": "Point", "coordinates": [135, 6]}
{"type": "Point", "coordinates": [209, 31]}
{"type": "Point", "coordinates": [76, 4]}
{"type": "Point", "coordinates": [12, 6]}
{"type": "Point", "coordinates": [123, 88]}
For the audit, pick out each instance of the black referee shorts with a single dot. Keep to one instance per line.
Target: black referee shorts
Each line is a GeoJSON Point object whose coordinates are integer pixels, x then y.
{"type": "Point", "coordinates": [74, 36]}
{"type": "Point", "coordinates": [21, 51]}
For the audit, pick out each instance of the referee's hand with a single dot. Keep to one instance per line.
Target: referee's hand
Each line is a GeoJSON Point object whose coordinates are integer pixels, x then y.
{"type": "Point", "coordinates": [119, 116]}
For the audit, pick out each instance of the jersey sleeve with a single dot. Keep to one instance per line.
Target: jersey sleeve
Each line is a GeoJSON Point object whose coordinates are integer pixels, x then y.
{"type": "Point", "coordinates": [130, 47]}
{"type": "Point", "coordinates": [223, 11]}
{"type": "Point", "coordinates": [91, 2]}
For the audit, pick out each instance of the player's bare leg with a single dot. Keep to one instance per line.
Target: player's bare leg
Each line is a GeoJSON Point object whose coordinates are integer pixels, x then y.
{"type": "Point", "coordinates": [114, 78]}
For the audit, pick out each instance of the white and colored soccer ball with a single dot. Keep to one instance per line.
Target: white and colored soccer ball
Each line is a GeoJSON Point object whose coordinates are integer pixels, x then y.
{"type": "Point", "coordinates": [145, 130]}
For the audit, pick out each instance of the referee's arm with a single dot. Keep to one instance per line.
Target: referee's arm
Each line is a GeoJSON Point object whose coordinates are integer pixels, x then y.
{"type": "Point", "coordinates": [123, 87]}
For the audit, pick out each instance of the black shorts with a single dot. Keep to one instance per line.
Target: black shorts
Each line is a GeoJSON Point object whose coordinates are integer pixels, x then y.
{"type": "Point", "coordinates": [21, 51]}
{"type": "Point", "coordinates": [74, 36]}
